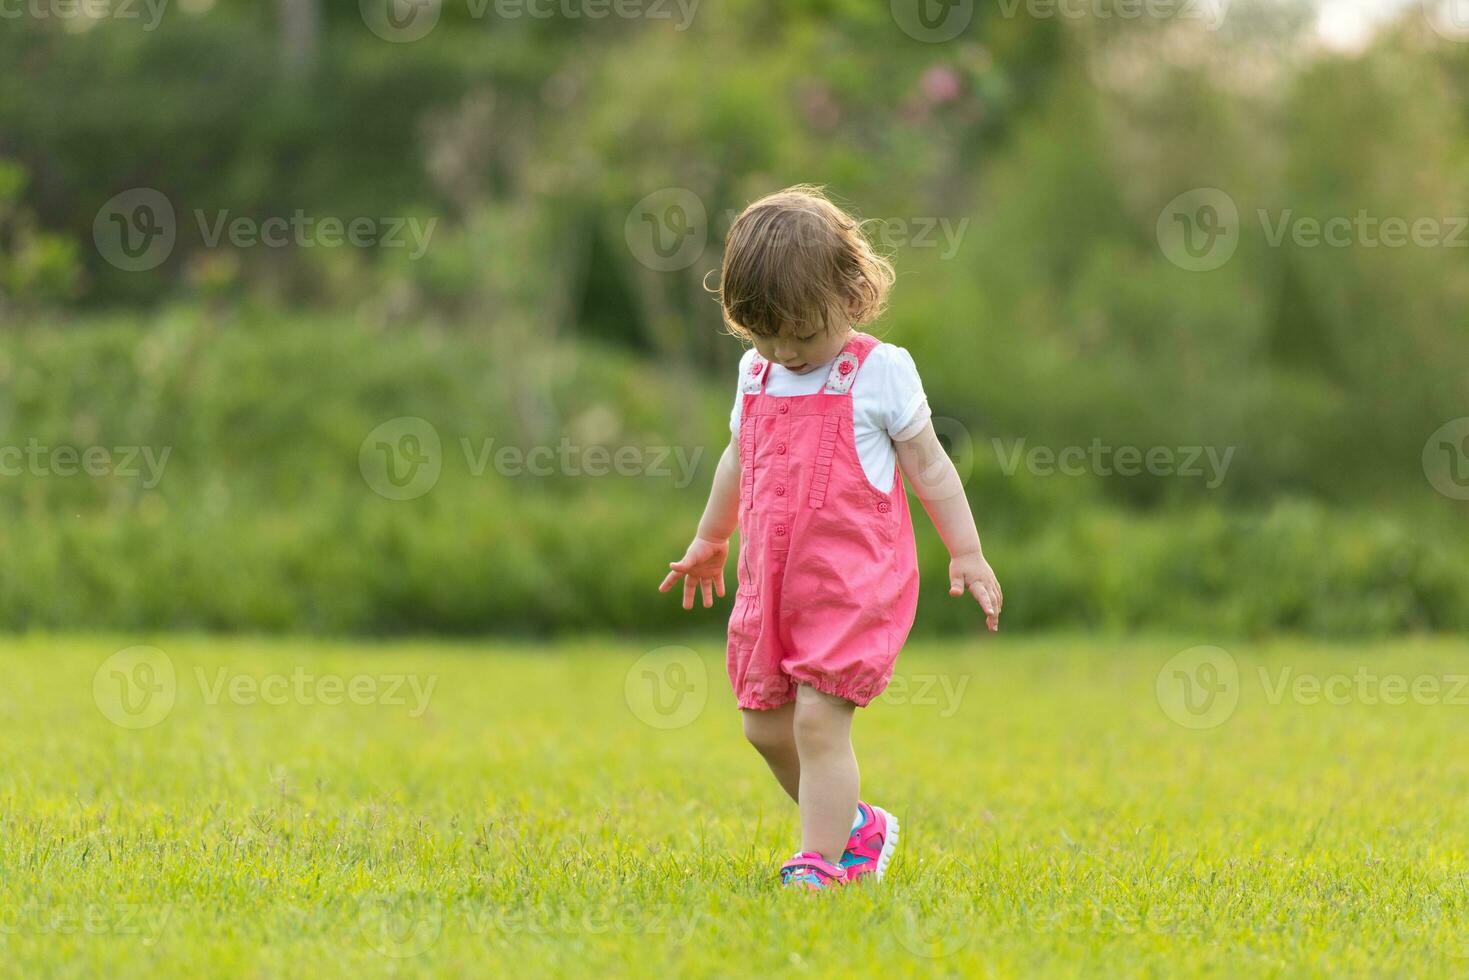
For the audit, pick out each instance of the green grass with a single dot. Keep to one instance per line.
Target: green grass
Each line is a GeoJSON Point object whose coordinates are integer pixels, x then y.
{"type": "Point", "coordinates": [536, 818]}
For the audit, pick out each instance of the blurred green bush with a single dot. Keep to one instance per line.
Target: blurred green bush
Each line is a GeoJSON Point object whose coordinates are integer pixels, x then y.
{"type": "Point", "coordinates": [249, 506]}
{"type": "Point", "coordinates": [1017, 174]}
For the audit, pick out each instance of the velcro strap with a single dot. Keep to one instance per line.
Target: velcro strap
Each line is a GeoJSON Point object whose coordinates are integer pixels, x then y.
{"type": "Point", "coordinates": [821, 866]}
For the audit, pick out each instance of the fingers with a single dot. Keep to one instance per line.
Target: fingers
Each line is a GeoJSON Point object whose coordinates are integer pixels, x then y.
{"type": "Point", "coordinates": [989, 602]}
{"type": "Point", "coordinates": [688, 592]}
{"type": "Point", "coordinates": [707, 588]}
{"type": "Point", "coordinates": [719, 585]}
{"type": "Point", "coordinates": [956, 586]}
{"type": "Point", "coordinates": [986, 601]}
{"type": "Point", "coordinates": [668, 582]}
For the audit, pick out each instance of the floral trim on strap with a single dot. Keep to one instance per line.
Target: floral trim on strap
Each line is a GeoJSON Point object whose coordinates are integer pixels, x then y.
{"type": "Point", "coordinates": [750, 383]}
{"type": "Point", "coordinates": [843, 373]}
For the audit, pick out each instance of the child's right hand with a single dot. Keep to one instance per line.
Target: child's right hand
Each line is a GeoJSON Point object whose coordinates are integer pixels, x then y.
{"type": "Point", "coordinates": [703, 563]}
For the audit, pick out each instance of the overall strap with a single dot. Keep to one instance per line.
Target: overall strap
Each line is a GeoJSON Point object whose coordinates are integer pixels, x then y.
{"type": "Point", "coordinates": [838, 382]}
{"type": "Point", "coordinates": [752, 383]}
{"type": "Point", "coordinates": [844, 369]}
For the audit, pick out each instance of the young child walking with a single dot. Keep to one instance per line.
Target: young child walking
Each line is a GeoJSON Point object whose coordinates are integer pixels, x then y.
{"type": "Point", "coordinates": [824, 417]}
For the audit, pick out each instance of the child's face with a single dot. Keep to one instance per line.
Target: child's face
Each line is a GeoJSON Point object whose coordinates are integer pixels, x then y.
{"type": "Point", "coordinates": [801, 349]}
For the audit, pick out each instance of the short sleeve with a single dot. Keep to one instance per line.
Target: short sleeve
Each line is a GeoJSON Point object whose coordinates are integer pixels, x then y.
{"type": "Point", "coordinates": [739, 399]}
{"type": "Point", "coordinates": [904, 407]}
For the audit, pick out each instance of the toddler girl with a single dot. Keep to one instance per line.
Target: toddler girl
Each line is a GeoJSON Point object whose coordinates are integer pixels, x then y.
{"type": "Point", "coordinates": [828, 576]}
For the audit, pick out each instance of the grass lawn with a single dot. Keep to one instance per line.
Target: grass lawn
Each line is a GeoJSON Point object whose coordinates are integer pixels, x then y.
{"type": "Point", "coordinates": [1069, 807]}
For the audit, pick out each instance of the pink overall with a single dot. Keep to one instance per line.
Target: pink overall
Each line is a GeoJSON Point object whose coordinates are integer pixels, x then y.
{"type": "Point", "coordinates": [828, 571]}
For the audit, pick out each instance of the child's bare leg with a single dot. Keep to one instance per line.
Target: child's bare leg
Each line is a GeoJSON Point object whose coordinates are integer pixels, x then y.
{"type": "Point", "coordinates": [829, 778]}
{"type": "Point", "coordinates": [772, 733]}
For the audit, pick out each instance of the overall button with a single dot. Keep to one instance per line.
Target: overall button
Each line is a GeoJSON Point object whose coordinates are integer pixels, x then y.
{"type": "Point", "coordinates": [883, 506]}
{"type": "Point", "coordinates": [780, 450]}
{"type": "Point", "coordinates": [780, 530]}
{"type": "Point", "coordinates": [780, 491]}
{"type": "Point", "coordinates": [784, 408]}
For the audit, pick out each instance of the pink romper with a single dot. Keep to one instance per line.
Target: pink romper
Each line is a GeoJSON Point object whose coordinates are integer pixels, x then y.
{"type": "Point", "coordinates": [828, 571]}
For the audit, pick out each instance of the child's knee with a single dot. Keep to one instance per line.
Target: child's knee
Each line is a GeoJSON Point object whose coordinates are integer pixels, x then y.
{"type": "Point", "coordinates": [821, 725]}
{"type": "Point", "coordinates": [769, 731]}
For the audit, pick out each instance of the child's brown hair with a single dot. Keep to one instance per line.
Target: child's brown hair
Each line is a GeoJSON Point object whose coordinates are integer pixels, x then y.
{"type": "Point", "coordinates": [795, 257]}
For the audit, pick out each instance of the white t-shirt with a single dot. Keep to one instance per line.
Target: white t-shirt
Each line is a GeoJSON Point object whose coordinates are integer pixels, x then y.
{"type": "Point", "coordinates": [888, 404]}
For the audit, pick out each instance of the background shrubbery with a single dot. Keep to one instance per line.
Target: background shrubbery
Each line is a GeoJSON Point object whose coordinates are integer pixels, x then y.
{"type": "Point", "coordinates": [1049, 146]}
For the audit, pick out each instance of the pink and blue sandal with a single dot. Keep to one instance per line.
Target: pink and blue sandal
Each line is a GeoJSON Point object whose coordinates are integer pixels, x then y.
{"type": "Point", "coordinates": [870, 848]}
{"type": "Point", "coordinates": [810, 870]}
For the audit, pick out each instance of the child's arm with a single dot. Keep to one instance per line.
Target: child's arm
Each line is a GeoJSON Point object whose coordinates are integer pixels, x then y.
{"type": "Point", "coordinates": [937, 484]}
{"type": "Point", "coordinates": [703, 562]}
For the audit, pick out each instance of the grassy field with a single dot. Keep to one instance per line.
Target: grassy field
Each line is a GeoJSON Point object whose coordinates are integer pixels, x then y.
{"type": "Point", "coordinates": [1070, 807]}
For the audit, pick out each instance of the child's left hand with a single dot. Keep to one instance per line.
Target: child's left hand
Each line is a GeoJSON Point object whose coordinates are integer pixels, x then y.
{"type": "Point", "coordinates": [971, 573]}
